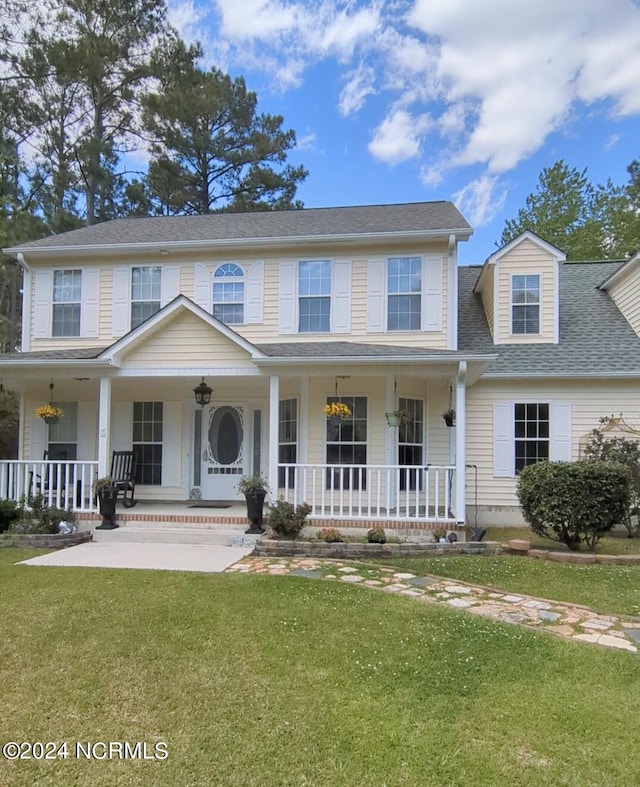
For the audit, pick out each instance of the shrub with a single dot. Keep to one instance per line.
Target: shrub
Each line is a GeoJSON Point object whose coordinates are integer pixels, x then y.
{"type": "Point", "coordinates": [626, 452]}
{"type": "Point", "coordinates": [376, 535]}
{"type": "Point", "coordinates": [9, 513]}
{"type": "Point", "coordinates": [287, 520]}
{"type": "Point", "coordinates": [41, 518]}
{"type": "Point", "coordinates": [574, 502]}
{"type": "Point", "coordinates": [330, 535]}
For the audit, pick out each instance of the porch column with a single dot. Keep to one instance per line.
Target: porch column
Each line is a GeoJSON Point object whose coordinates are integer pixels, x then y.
{"type": "Point", "coordinates": [104, 426]}
{"type": "Point", "coordinates": [461, 434]}
{"type": "Point", "coordinates": [274, 400]}
{"type": "Point", "coordinates": [303, 438]}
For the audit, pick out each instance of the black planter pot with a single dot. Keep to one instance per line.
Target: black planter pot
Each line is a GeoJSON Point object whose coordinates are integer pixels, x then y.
{"type": "Point", "coordinates": [107, 500]}
{"type": "Point", "coordinates": [449, 421]}
{"type": "Point", "coordinates": [255, 506]}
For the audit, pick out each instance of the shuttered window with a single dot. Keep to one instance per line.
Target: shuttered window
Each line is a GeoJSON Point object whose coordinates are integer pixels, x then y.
{"type": "Point", "coordinates": [67, 302]}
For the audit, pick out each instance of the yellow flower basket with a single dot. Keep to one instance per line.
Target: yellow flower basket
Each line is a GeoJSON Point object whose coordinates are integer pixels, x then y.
{"type": "Point", "coordinates": [48, 412]}
{"type": "Point", "coordinates": [337, 410]}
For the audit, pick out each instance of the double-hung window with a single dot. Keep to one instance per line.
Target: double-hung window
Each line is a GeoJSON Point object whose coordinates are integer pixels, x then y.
{"type": "Point", "coordinates": [404, 298]}
{"type": "Point", "coordinates": [67, 302]}
{"type": "Point", "coordinates": [314, 296]}
{"type": "Point", "coordinates": [228, 294]}
{"type": "Point", "coordinates": [531, 430]}
{"type": "Point", "coordinates": [347, 444]}
{"type": "Point", "coordinates": [525, 304]}
{"type": "Point", "coordinates": [63, 434]}
{"type": "Point", "coordinates": [145, 293]}
{"type": "Point", "coordinates": [147, 441]}
{"type": "Point", "coordinates": [287, 441]}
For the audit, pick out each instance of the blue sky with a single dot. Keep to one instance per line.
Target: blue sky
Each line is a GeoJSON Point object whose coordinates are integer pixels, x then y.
{"type": "Point", "coordinates": [410, 100]}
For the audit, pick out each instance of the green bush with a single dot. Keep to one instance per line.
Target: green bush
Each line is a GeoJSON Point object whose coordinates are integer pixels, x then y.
{"type": "Point", "coordinates": [38, 517]}
{"type": "Point", "coordinates": [627, 452]}
{"type": "Point", "coordinates": [287, 520]}
{"type": "Point", "coordinates": [574, 502]}
{"type": "Point", "coordinates": [376, 535]}
{"type": "Point", "coordinates": [9, 513]}
{"type": "Point", "coordinates": [330, 535]}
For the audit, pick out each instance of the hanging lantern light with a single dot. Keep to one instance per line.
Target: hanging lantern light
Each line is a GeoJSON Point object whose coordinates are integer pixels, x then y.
{"type": "Point", "coordinates": [202, 392]}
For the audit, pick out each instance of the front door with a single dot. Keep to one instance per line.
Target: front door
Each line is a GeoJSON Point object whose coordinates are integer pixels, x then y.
{"type": "Point", "coordinates": [225, 454]}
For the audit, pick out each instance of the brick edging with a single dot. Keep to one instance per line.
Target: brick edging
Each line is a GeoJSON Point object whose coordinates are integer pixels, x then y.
{"type": "Point", "coordinates": [44, 540]}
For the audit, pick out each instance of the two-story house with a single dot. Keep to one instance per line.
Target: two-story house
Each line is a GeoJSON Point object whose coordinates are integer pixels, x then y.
{"type": "Point", "coordinates": [282, 313]}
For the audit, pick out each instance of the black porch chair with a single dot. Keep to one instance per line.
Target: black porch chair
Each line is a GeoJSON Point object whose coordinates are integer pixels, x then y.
{"type": "Point", "coordinates": [50, 480]}
{"type": "Point", "coordinates": [123, 472]}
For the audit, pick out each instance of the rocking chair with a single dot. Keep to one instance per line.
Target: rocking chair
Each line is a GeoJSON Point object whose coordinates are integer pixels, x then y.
{"type": "Point", "coordinates": [123, 472]}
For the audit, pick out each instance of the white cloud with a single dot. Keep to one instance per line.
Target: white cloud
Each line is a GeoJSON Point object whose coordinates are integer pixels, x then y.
{"type": "Point", "coordinates": [360, 84]}
{"type": "Point", "coordinates": [399, 136]}
{"type": "Point", "coordinates": [481, 200]}
{"type": "Point", "coordinates": [306, 141]}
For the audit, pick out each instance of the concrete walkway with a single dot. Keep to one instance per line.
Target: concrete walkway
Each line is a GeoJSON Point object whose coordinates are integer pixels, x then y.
{"type": "Point", "coordinates": [566, 620]}
{"type": "Point", "coordinates": [121, 554]}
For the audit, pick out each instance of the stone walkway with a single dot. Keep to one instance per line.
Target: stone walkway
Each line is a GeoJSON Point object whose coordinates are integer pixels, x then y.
{"type": "Point", "coordinates": [567, 620]}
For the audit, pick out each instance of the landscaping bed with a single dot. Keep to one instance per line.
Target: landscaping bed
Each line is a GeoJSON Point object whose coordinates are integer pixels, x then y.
{"type": "Point", "coordinates": [272, 547]}
{"type": "Point", "coordinates": [44, 540]}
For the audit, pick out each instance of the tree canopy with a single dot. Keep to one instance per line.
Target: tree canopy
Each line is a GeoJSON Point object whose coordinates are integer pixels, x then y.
{"type": "Point", "coordinates": [586, 221]}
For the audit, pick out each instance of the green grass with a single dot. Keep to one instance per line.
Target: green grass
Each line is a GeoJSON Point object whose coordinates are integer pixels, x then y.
{"type": "Point", "coordinates": [261, 680]}
{"type": "Point", "coordinates": [614, 543]}
{"type": "Point", "coordinates": [604, 588]}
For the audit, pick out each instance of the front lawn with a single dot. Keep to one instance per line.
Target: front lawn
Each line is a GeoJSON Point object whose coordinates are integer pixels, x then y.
{"type": "Point", "coordinates": [616, 542]}
{"type": "Point", "coordinates": [265, 680]}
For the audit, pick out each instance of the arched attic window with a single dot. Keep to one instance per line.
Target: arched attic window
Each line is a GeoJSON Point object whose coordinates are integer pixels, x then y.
{"type": "Point", "coordinates": [228, 294]}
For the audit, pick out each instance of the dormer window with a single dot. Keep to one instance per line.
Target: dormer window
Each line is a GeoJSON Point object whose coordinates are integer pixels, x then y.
{"type": "Point", "coordinates": [525, 304]}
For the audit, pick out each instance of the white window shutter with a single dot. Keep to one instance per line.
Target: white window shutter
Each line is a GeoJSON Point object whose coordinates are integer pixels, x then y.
{"type": "Point", "coordinates": [503, 440]}
{"type": "Point", "coordinates": [169, 284]}
{"type": "Point", "coordinates": [560, 432]}
{"type": "Point", "coordinates": [341, 297]}
{"type": "Point", "coordinates": [43, 295]}
{"type": "Point", "coordinates": [432, 294]}
{"type": "Point", "coordinates": [253, 305]}
{"type": "Point", "coordinates": [120, 323]}
{"type": "Point", "coordinates": [287, 311]}
{"type": "Point", "coordinates": [376, 273]}
{"type": "Point", "coordinates": [87, 430]}
{"type": "Point", "coordinates": [38, 438]}
{"type": "Point", "coordinates": [121, 426]}
{"type": "Point", "coordinates": [90, 309]}
{"type": "Point", "coordinates": [202, 286]}
{"type": "Point", "coordinates": [172, 444]}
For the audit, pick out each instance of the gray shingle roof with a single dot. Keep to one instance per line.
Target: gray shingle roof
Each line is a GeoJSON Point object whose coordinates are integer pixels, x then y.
{"type": "Point", "coordinates": [52, 355]}
{"type": "Point", "coordinates": [594, 336]}
{"type": "Point", "coordinates": [348, 349]}
{"type": "Point", "coordinates": [378, 219]}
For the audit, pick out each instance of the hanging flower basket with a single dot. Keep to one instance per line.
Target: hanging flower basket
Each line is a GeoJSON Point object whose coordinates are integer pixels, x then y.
{"type": "Point", "coordinates": [397, 417]}
{"type": "Point", "coordinates": [49, 413]}
{"type": "Point", "coordinates": [449, 417]}
{"type": "Point", "coordinates": [337, 410]}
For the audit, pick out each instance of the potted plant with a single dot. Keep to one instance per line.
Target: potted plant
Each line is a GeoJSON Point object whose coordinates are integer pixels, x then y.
{"type": "Point", "coordinates": [336, 411]}
{"type": "Point", "coordinates": [449, 417]}
{"type": "Point", "coordinates": [254, 489]}
{"type": "Point", "coordinates": [49, 413]}
{"type": "Point", "coordinates": [106, 490]}
{"type": "Point", "coordinates": [397, 417]}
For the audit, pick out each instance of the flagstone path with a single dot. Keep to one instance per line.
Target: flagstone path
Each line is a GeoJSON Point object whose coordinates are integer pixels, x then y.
{"type": "Point", "coordinates": [567, 620]}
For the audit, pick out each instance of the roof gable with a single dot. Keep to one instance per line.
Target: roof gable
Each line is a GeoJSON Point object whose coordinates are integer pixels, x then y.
{"type": "Point", "coordinates": [177, 308]}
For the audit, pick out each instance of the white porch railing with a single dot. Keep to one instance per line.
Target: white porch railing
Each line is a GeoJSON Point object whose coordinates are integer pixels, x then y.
{"type": "Point", "coordinates": [384, 492]}
{"type": "Point", "coordinates": [63, 484]}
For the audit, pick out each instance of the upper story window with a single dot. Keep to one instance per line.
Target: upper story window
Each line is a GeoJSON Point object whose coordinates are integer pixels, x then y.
{"type": "Point", "coordinates": [145, 293]}
{"type": "Point", "coordinates": [67, 302]}
{"type": "Point", "coordinates": [525, 304]}
{"type": "Point", "coordinates": [404, 288]}
{"type": "Point", "coordinates": [228, 294]}
{"type": "Point", "coordinates": [314, 296]}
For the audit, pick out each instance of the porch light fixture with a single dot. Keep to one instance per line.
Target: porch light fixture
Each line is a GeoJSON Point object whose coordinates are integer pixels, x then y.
{"type": "Point", "coordinates": [202, 392]}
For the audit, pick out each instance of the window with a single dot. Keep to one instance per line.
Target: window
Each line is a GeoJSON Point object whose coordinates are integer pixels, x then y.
{"type": "Point", "coordinates": [63, 435]}
{"type": "Point", "coordinates": [147, 442]}
{"type": "Point", "coordinates": [228, 294]}
{"type": "Point", "coordinates": [314, 291]}
{"type": "Point", "coordinates": [531, 434]}
{"type": "Point", "coordinates": [525, 304]}
{"type": "Point", "coordinates": [347, 444]}
{"type": "Point", "coordinates": [67, 295]}
{"type": "Point", "coordinates": [287, 441]}
{"type": "Point", "coordinates": [410, 441]}
{"type": "Point", "coordinates": [145, 293]}
{"type": "Point", "coordinates": [404, 287]}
